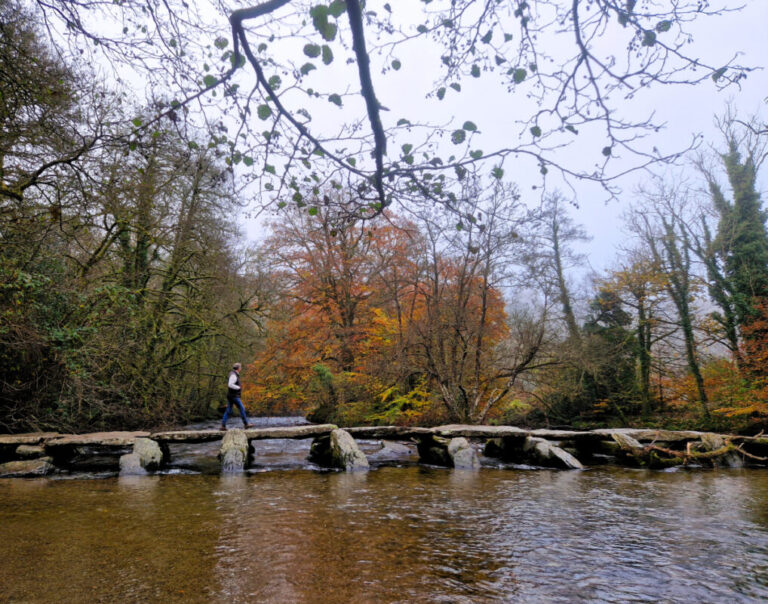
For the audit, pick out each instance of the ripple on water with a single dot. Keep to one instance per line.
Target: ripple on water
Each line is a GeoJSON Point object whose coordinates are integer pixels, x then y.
{"type": "Point", "coordinates": [390, 535]}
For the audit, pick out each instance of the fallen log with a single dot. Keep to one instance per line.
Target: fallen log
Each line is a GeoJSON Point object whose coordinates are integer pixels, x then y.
{"type": "Point", "coordinates": [720, 449]}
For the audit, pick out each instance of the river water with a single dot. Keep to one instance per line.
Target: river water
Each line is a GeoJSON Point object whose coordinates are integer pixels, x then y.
{"type": "Point", "coordinates": [287, 532]}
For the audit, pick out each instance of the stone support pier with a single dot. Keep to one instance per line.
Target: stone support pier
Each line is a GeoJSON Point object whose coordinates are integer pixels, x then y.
{"type": "Point", "coordinates": [338, 450]}
{"type": "Point", "coordinates": [235, 451]}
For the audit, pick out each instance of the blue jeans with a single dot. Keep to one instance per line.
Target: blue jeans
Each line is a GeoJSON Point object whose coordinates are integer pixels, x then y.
{"type": "Point", "coordinates": [234, 400]}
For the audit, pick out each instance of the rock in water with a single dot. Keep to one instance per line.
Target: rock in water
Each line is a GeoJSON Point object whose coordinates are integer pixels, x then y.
{"type": "Point", "coordinates": [625, 441]}
{"type": "Point", "coordinates": [30, 451]}
{"type": "Point", "coordinates": [31, 467]}
{"type": "Point", "coordinates": [452, 453]}
{"type": "Point", "coordinates": [545, 453]}
{"type": "Point", "coordinates": [433, 450]}
{"type": "Point", "coordinates": [338, 450]}
{"type": "Point", "coordinates": [391, 452]}
{"type": "Point", "coordinates": [234, 451]}
{"type": "Point", "coordinates": [462, 454]}
{"type": "Point", "coordinates": [130, 465]}
{"type": "Point", "coordinates": [346, 453]}
{"type": "Point", "coordinates": [149, 453]}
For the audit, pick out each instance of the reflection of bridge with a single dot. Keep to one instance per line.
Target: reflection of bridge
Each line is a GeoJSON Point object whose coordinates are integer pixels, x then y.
{"type": "Point", "coordinates": [41, 453]}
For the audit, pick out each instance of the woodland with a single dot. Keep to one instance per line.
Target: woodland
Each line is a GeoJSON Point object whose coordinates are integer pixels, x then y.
{"type": "Point", "coordinates": [400, 275]}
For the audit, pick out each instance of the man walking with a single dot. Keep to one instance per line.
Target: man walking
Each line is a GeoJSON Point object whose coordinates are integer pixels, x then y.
{"type": "Point", "coordinates": [234, 389]}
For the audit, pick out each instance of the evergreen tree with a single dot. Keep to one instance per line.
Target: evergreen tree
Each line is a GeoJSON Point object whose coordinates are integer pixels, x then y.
{"type": "Point", "coordinates": [741, 239]}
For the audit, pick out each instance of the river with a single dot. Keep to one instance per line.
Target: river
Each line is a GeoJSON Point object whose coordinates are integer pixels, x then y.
{"type": "Point", "coordinates": [287, 532]}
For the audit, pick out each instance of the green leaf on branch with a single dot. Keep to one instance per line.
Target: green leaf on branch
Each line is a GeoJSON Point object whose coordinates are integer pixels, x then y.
{"type": "Point", "coordinates": [518, 75]}
{"type": "Point", "coordinates": [607, 151]}
{"type": "Point", "coordinates": [422, 29]}
{"type": "Point", "coordinates": [312, 50]}
{"type": "Point", "coordinates": [319, 14]}
{"type": "Point", "coordinates": [270, 169]}
{"type": "Point", "coordinates": [337, 8]}
{"type": "Point", "coordinates": [264, 111]}
{"type": "Point", "coordinates": [649, 38]}
{"type": "Point", "coordinates": [476, 154]}
{"type": "Point", "coordinates": [663, 26]}
{"type": "Point", "coordinates": [327, 55]}
{"type": "Point", "coordinates": [536, 131]}
{"type": "Point", "coordinates": [441, 93]}
{"type": "Point", "coordinates": [719, 73]}
{"type": "Point", "coordinates": [274, 82]}
{"type": "Point", "coordinates": [458, 137]}
{"type": "Point", "coordinates": [487, 37]}
{"type": "Point", "coordinates": [396, 64]}
{"type": "Point", "coordinates": [248, 161]}
{"type": "Point", "coordinates": [137, 122]}
{"type": "Point", "coordinates": [306, 68]}
{"type": "Point", "coordinates": [403, 122]}
{"type": "Point", "coordinates": [335, 99]}
{"type": "Point", "coordinates": [312, 211]}
{"type": "Point", "coordinates": [221, 42]}
{"type": "Point", "coordinates": [475, 71]}
{"type": "Point", "coordinates": [209, 81]}
{"type": "Point", "coordinates": [407, 147]}
{"type": "Point", "coordinates": [497, 172]}
{"type": "Point", "coordinates": [456, 87]}
{"type": "Point", "coordinates": [469, 126]}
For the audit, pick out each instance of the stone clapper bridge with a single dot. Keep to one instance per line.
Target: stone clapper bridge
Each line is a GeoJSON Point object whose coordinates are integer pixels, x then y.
{"type": "Point", "coordinates": [39, 454]}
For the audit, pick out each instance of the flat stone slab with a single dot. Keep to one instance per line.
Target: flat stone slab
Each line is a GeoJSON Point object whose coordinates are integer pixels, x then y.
{"type": "Point", "coordinates": [293, 432]}
{"type": "Point", "coordinates": [187, 436]}
{"type": "Point", "coordinates": [560, 434]}
{"type": "Point", "coordinates": [31, 438]}
{"type": "Point", "coordinates": [468, 431]}
{"type": "Point", "coordinates": [388, 432]}
{"type": "Point", "coordinates": [95, 439]}
{"type": "Point", "coordinates": [199, 436]}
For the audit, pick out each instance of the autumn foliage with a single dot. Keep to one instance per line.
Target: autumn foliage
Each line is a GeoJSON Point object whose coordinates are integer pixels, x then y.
{"type": "Point", "coordinates": [373, 325]}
